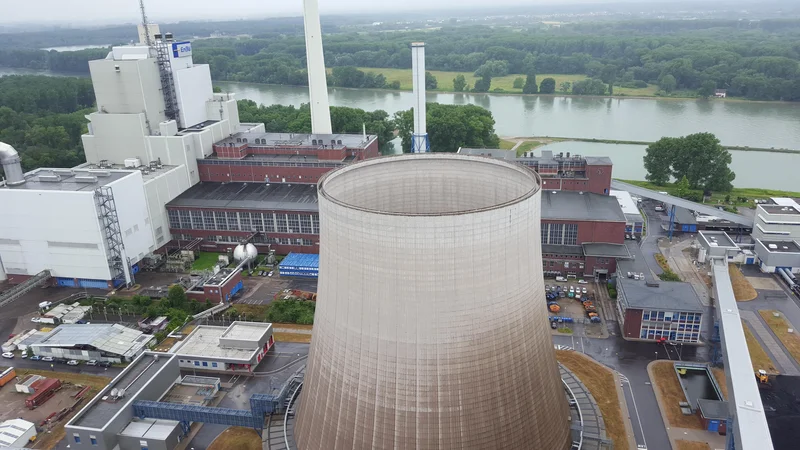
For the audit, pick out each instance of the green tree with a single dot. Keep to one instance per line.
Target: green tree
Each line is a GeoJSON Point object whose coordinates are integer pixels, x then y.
{"type": "Point", "coordinates": [668, 83]}
{"type": "Point", "coordinates": [483, 84]}
{"type": "Point", "coordinates": [519, 82]}
{"type": "Point", "coordinates": [430, 81]}
{"type": "Point", "coordinates": [493, 68]}
{"type": "Point", "coordinates": [217, 89]}
{"type": "Point", "coordinates": [682, 187]}
{"type": "Point", "coordinates": [658, 159]}
{"type": "Point", "coordinates": [698, 157]}
{"type": "Point", "coordinates": [707, 89]}
{"type": "Point", "coordinates": [565, 87]}
{"type": "Point", "coordinates": [176, 297]}
{"type": "Point", "coordinates": [530, 85]}
{"type": "Point", "coordinates": [451, 127]}
{"type": "Point", "coordinates": [547, 86]}
{"type": "Point", "coordinates": [459, 83]}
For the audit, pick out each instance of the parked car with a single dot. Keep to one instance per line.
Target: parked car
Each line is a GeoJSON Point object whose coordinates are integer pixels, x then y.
{"type": "Point", "coordinates": [584, 290]}
{"type": "Point", "coordinates": [270, 273]}
{"type": "Point", "coordinates": [23, 355]}
{"type": "Point", "coordinates": [572, 288]}
{"type": "Point", "coordinates": [104, 364]}
{"type": "Point", "coordinates": [583, 282]}
{"type": "Point", "coordinates": [35, 358]}
{"type": "Point", "coordinates": [35, 319]}
{"type": "Point", "coordinates": [72, 362]}
{"type": "Point", "coordinates": [48, 359]}
{"type": "Point", "coordinates": [8, 355]}
{"type": "Point", "coordinates": [553, 324]}
{"type": "Point", "coordinates": [91, 362]}
{"type": "Point", "coordinates": [561, 279]}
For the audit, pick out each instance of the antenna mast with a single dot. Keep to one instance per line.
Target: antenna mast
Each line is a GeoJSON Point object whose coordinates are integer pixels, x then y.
{"type": "Point", "coordinates": [147, 39]}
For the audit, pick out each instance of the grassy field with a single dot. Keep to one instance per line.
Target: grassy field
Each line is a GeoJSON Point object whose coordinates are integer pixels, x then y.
{"type": "Point", "coordinates": [301, 338]}
{"type": "Point", "coordinates": [600, 382]}
{"type": "Point", "coordinates": [668, 385]}
{"type": "Point", "coordinates": [780, 326]}
{"type": "Point", "coordinates": [692, 445]}
{"type": "Point", "coordinates": [207, 260]}
{"type": "Point", "coordinates": [716, 197]}
{"type": "Point", "coordinates": [528, 146]}
{"type": "Point", "coordinates": [237, 438]}
{"type": "Point", "coordinates": [506, 144]}
{"type": "Point", "coordinates": [742, 289]}
{"type": "Point", "coordinates": [758, 356]}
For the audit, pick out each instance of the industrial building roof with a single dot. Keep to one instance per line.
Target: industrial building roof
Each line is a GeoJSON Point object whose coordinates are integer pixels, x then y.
{"type": "Point", "coordinates": [781, 246]}
{"type": "Point", "coordinates": [779, 209]}
{"type": "Point", "coordinates": [717, 239]}
{"type": "Point", "coordinates": [489, 152]}
{"type": "Point", "coordinates": [257, 196]}
{"type": "Point", "coordinates": [713, 409]}
{"type": "Point", "coordinates": [562, 249]}
{"type": "Point", "coordinates": [12, 430]}
{"type": "Point", "coordinates": [300, 261]}
{"type": "Point", "coordinates": [602, 249]}
{"type": "Point", "coordinates": [667, 296]}
{"type": "Point", "coordinates": [68, 313]}
{"type": "Point", "coordinates": [73, 180]}
{"type": "Point", "coordinates": [547, 156]}
{"type": "Point", "coordinates": [204, 342]}
{"type": "Point", "coordinates": [684, 216]}
{"type": "Point", "coordinates": [115, 339]}
{"type": "Point", "coordinates": [570, 205]}
{"type": "Point", "coordinates": [156, 429]}
{"type": "Point", "coordinates": [628, 206]}
{"type": "Point", "coordinates": [98, 413]}
{"type": "Point", "coordinates": [300, 140]}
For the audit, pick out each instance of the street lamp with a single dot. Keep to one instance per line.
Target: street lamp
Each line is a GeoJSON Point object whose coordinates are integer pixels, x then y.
{"type": "Point", "coordinates": [656, 355]}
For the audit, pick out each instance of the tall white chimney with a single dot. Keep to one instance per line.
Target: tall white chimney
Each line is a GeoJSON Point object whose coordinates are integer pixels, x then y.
{"type": "Point", "coordinates": [317, 79]}
{"type": "Point", "coordinates": [419, 140]}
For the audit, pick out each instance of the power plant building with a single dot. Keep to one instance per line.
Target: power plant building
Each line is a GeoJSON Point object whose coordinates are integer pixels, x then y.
{"type": "Point", "coordinates": [414, 347]}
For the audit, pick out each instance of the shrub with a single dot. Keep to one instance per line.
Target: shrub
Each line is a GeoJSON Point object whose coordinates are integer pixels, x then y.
{"type": "Point", "coordinates": [669, 276]}
{"type": "Point", "coordinates": [292, 311]}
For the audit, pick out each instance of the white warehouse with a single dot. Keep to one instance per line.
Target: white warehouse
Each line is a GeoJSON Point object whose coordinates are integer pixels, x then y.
{"type": "Point", "coordinates": [89, 226]}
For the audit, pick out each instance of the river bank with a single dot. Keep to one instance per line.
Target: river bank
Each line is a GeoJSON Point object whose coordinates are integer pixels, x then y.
{"type": "Point", "coordinates": [552, 139]}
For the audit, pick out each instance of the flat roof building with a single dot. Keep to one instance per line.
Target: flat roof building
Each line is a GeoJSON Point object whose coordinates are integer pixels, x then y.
{"type": "Point", "coordinates": [775, 254]}
{"type": "Point", "coordinates": [239, 347]}
{"type": "Point", "coordinates": [634, 222]}
{"type": "Point", "coordinates": [777, 220]}
{"type": "Point", "coordinates": [718, 244]}
{"type": "Point", "coordinates": [101, 342]}
{"type": "Point", "coordinates": [16, 433]}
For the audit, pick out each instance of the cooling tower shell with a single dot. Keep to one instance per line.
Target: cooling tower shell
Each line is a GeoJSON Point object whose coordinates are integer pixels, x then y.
{"type": "Point", "coordinates": [431, 325]}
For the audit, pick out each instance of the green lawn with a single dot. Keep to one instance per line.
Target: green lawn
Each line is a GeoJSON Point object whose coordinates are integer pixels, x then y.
{"type": "Point", "coordinates": [528, 146]}
{"type": "Point", "coordinates": [207, 260]}
{"type": "Point", "coordinates": [507, 145]}
{"type": "Point", "coordinates": [749, 193]}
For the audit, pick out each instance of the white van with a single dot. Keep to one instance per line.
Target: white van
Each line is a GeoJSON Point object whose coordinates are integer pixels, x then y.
{"type": "Point", "coordinates": [560, 278]}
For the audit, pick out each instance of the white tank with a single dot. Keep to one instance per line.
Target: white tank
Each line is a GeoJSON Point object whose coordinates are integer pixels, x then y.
{"type": "Point", "coordinates": [239, 253]}
{"type": "Point", "coordinates": [251, 252]}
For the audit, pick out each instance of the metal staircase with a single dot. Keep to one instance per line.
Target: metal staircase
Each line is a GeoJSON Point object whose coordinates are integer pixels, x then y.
{"type": "Point", "coordinates": [107, 212]}
{"type": "Point", "coordinates": [163, 49]}
{"type": "Point", "coordinates": [23, 288]}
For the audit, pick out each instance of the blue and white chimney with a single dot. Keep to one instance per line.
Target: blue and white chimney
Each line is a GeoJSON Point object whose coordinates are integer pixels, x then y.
{"type": "Point", "coordinates": [419, 140]}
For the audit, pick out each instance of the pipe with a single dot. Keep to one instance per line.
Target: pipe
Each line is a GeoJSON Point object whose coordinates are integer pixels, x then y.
{"type": "Point", "coordinates": [786, 277]}
{"type": "Point", "coordinates": [12, 165]}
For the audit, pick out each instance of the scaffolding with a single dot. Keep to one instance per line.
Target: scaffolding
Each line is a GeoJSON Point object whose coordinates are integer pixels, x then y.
{"type": "Point", "coordinates": [163, 47]}
{"type": "Point", "coordinates": [107, 213]}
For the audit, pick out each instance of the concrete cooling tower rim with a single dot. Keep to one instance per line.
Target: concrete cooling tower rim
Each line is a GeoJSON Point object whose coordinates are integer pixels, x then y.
{"type": "Point", "coordinates": [417, 162]}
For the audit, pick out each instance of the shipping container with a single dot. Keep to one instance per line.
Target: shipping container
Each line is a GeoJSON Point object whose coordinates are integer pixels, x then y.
{"type": "Point", "coordinates": [26, 385]}
{"type": "Point", "coordinates": [7, 376]}
{"type": "Point", "coordinates": [46, 389]}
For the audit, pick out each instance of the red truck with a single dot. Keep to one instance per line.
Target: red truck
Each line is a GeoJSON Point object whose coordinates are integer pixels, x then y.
{"type": "Point", "coordinates": [44, 390]}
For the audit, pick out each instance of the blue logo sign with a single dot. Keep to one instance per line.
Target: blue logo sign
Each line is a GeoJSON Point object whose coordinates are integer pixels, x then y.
{"type": "Point", "coordinates": [181, 49]}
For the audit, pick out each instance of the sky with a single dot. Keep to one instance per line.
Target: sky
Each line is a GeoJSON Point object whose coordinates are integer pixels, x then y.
{"type": "Point", "coordinates": [102, 12]}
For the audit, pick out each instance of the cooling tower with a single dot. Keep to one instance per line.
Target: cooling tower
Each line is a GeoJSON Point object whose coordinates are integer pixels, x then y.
{"type": "Point", "coordinates": [430, 329]}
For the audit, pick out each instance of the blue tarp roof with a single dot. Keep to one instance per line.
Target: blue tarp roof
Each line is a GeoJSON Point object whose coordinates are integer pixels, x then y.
{"type": "Point", "coordinates": [300, 261]}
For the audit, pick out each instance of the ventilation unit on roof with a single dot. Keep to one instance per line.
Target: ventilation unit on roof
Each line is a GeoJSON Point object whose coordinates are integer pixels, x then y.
{"type": "Point", "coordinates": [50, 178]}
{"type": "Point", "coordinates": [773, 247]}
{"type": "Point", "coordinates": [100, 173]}
{"type": "Point", "coordinates": [85, 179]}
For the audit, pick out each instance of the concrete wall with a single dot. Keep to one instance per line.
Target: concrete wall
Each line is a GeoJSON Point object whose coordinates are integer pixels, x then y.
{"type": "Point", "coordinates": [193, 89]}
{"type": "Point", "coordinates": [169, 442]}
{"type": "Point", "coordinates": [775, 226]}
{"type": "Point", "coordinates": [56, 230]}
{"type": "Point", "coordinates": [432, 336]}
{"type": "Point", "coordinates": [769, 261]}
{"type": "Point", "coordinates": [134, 221]}
{"type": "Point", "coordinates": [116, 137]}
{"type": "Point", "coordinates": [134, 89]}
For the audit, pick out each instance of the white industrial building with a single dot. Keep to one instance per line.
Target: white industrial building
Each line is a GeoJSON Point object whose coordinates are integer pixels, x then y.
{"type": "Point", "coordinates": [777, 220]}
{"type": "Point", "coordinates": [238, 347]}
{"type": "Point", "coordinates": [102, 342]}
{"type": "Point", "coordinates": [16, 433]}
{"type": "Point", "coordinates": [89, 226]}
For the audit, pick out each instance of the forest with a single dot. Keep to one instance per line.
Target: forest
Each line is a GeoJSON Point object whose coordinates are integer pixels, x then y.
{"type": "Point", "coordinates": [755, 62]}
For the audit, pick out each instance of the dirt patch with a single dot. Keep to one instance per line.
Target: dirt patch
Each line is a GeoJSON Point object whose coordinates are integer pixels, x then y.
{"type": "Point", "coordinates": [780, 326]}
{"type": "Point", "coordinates": [692, 445]}
{"type": "Point", "coordinates": [722, 381]}
{"type": "Point", "coordinates": [758, 356]}
{"type": "Point", "coordinates": [293, 326]}
{"type": "Point", "coordinates": [666, 381]}
{"type": "Point", "coordinates": [599, 380]}
{"type": "Point", "coordinates": [301, 338]}
{"type": "Point", "coordinates": [237, 438]}
{"type": "Point", "coordinates": [742, 289]}
{"type": "Point", "coordinates": [165, 345]}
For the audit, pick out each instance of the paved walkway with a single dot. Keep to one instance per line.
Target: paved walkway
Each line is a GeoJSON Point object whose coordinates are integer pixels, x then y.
{"type": "Point", "coordinates": [684, 267]}
{"type": "Point", "coordinates": [784, 361]}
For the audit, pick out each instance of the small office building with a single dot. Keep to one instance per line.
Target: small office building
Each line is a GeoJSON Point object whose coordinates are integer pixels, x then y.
{"type": "Point", "coordinates": [718, 244]}
{"type": "Point", "coordinates": [634, 222]}
{"type": "Point", "coordinates": [775, 254]}
{"type": "Point", "coordinates": [778, 219]}
{"type": "Point", "coordinates": [238, 347]}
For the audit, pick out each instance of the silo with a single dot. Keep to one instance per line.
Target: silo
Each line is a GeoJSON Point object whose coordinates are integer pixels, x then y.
{"type": "Point", "coordinates": [430, 329]}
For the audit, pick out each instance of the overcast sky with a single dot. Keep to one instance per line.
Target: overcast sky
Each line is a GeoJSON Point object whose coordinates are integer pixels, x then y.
{"type": "Point", "coordinates": [127, 11]}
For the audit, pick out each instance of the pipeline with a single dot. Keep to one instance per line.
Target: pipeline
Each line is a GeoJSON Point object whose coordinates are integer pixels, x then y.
{"type": "Point", "coordinates": [787, 277]}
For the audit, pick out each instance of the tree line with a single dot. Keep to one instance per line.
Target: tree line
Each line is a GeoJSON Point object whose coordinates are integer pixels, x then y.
{"type": "Point", "coordinates": [752, 62]}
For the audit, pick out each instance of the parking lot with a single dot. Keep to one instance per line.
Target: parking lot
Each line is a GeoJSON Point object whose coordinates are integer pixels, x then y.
{"type": "Point", "coordinates": [572, 308]}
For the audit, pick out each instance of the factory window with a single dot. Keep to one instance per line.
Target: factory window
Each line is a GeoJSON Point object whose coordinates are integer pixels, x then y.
{"type": "Point", "coordinates": [305, 224]}
{"type": "Point", "coordinates": [197, 220]}
{"type": "Point", "coordinates": [174, 220]}
{"type": "Point", "coordinates": [93, 440]}
{"type": "Point", "coordinates": [269, 222]}
{"type": "Point", "coordinates": [646, 315]}
{"type": "Point", "coordinates": [222, 223]}
{"type": "Point", "coordinates": [308, 242]}
{"type": "Point", "coordinates": [245, 223]}
{"type": "Point", "coordinates": [213, 364]}
{"type": "Point", "coordinates": [185, 219]}
{"type": "Point", "coordinates": [298, 241]}
{"type": "Point", "coordinates": [197, 363]}
{"type": "Point", "coordinates": [545, 228]}
{"type": "Point", "coordinates": [294, 223]}
{"type": "Point", "coordinates": [208, 220]}
{"type": "Point", "coordinates": [205, 364]}
{"type": "Point", "coordinates": [556, 236]}
{"type": "Point", "coordinates": [286, 241]}
{"type": "Point", "coordinates": [233, 221]}
{"type": "Point", "coordinates": [280, 221]}
{"type": "Point", "coordinates": [77, 438]}
{"type": "Point", "coordinates": [571, 234]}
{"type": "Point", "coordinates": [315, 222]}
{"type": "Point", "coordinates": [257, 221]}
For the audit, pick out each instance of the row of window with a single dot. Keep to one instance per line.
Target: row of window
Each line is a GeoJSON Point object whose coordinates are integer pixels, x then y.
{"type": "Point", "coordinates": [667, 316]}
{"type": "Point", "coordinates": [199, 363]}
{"type": "Point", "coordinates": [260, 239]}
{"type": "Point", "coordinates": [244, 221]}
{"type": "Point", "coordinates": [676, 336]}
{"type": "Point", "coordinates": [567, 264]}
{"type": "Point", "coordinates": [559, 233]}
{"type": "Point", "coordinates": [266, 163]}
